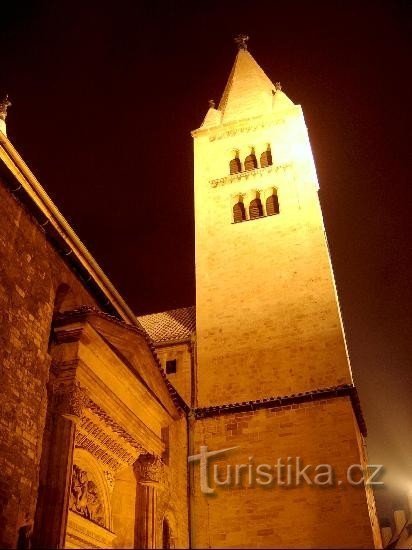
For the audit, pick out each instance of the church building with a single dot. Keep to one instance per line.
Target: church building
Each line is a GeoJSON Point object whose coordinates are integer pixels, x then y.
{"type": "Point", "coordinates": [161, 431]}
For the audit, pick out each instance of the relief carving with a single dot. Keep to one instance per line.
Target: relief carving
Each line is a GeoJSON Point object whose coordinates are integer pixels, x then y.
{"type": "Point", "coordinates": [84, 497]}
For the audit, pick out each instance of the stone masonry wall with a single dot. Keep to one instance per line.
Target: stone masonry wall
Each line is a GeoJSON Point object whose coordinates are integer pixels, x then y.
{"type": "Point", "coordinates": [266, 311]}
{"type": "Point", "coordinates": [181, 379]}
{"type": "Point", "coordinates": [323, 432]}
{"type": "Point", "coordinates": [30, 274]}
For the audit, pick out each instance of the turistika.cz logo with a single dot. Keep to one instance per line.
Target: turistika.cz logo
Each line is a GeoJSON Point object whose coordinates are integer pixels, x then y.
{"type": "Point", "coordinates": [283, 473]}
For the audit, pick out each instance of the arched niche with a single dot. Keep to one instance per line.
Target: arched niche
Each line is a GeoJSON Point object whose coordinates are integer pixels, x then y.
{"type": "Point", "coordinates": [168, 532]}
{"type": "Point", "coordinates": [90, 518]}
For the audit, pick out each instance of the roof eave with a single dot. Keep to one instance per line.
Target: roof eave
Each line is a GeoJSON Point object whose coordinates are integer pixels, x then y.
{"type": "Point", "coordinates": [175, 342]}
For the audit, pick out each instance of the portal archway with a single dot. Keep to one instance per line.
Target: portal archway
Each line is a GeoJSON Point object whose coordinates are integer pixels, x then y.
{"type": "Point", "coordinates": [89, 516]}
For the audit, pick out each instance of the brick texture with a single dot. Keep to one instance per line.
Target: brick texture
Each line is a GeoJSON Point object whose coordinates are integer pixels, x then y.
{"type": "Point", "coordinates": [30, 274]}
{"type": "Point", "coordinates": [323, 432]}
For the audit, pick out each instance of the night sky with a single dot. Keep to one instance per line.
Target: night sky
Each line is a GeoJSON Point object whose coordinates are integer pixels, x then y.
{"type": "Point", "coordinates": [105, 95]}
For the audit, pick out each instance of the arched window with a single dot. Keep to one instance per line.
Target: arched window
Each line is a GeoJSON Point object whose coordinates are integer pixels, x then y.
{"type": "Point", "coordinates": [235, 166]}
{"type": "Point", "coordinates": [255, 209]}
{"type": "Point", "coordinates": [272, 204]}
{"type": "Point", "coordinates": [251, 162]}
{"type": "Point", "coordinates": [266, 158]}
{"type": "Point", "coordinates": [239, 213]}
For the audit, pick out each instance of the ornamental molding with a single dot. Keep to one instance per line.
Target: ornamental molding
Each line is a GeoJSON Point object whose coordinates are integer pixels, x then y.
{"type": "Point", "coordinates": [108, 421]}
{"type": "Point", "coordinates": [244, 126]}
{"type": "Point", "coordinates": [106, 441]}
{"type": "Point", "coordinates": [248, 126]}
{"type": "Point", "coordinates": [107, 447]}
{"type": "Point", "coordinates": [250, 174]}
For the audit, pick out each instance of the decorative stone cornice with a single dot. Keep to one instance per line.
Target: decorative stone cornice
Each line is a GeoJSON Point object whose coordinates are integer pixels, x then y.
{"type": "Point", "coordinates": [244, 126]}
{"type": "Point", "coordinates": [101, 441]}
{"type": "Point", "coordinates": [150, 469]}
{"type": "Point", "coordinates": [114, 426]}
{"type": "Point", "coordinates": [343, 390]}
{"type": "Point", "coordinates": [249, 174]}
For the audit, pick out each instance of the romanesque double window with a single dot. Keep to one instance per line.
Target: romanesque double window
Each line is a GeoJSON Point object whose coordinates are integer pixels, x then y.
{"type": "Point", "coordinates": [257, 206]}
{"type": "Point", "coordinates": [251, 161]}
{"type": "Point", "coordinates": [239, 212]}
{"type": "Point", "coordinates": [272, 205]}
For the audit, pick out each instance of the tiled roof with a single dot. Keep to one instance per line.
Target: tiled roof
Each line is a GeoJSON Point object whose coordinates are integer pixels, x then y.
{"type": "Point", "coordinates": [170, 326]}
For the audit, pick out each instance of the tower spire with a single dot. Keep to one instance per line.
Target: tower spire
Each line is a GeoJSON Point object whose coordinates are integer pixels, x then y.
{"type": "Point", "coordinates": [249, 92]}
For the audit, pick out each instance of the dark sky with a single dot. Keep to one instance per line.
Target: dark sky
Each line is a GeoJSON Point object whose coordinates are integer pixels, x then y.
{"type": "Point", "coordinates": [105, 95]}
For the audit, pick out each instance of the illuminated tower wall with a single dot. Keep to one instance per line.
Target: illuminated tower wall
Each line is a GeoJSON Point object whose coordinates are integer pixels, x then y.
{"type": "Point", "coordinates": [267, 313]}
{"type": "Point", "coordinates": [268, 323]}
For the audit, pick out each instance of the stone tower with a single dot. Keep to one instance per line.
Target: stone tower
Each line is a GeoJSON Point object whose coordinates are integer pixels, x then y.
{"type": "Point", "coordinates": [273, 375]}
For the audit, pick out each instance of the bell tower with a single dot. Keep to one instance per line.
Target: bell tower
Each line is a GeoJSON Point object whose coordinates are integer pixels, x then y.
{"type": "Point", "coordinates": [268, 319]}
{"type": "Point", "coordinates": [273, 373]}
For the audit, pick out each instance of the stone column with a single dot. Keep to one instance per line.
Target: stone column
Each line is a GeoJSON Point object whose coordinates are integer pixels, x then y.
{"type": "Point", "coordinates": [149, 471]}
{"type": "Point", "coordinates": [67, 402]}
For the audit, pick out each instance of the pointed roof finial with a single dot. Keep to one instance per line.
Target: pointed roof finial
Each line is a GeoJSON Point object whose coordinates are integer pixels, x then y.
{"type": "Point", "coordinates": [241, 41]}
{"type": "Point", "coordinates": [4, 105]}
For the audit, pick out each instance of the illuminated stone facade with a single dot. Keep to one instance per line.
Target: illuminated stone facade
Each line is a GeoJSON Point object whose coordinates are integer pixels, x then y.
{"type": "Point", "coordinates": [101, 410]}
